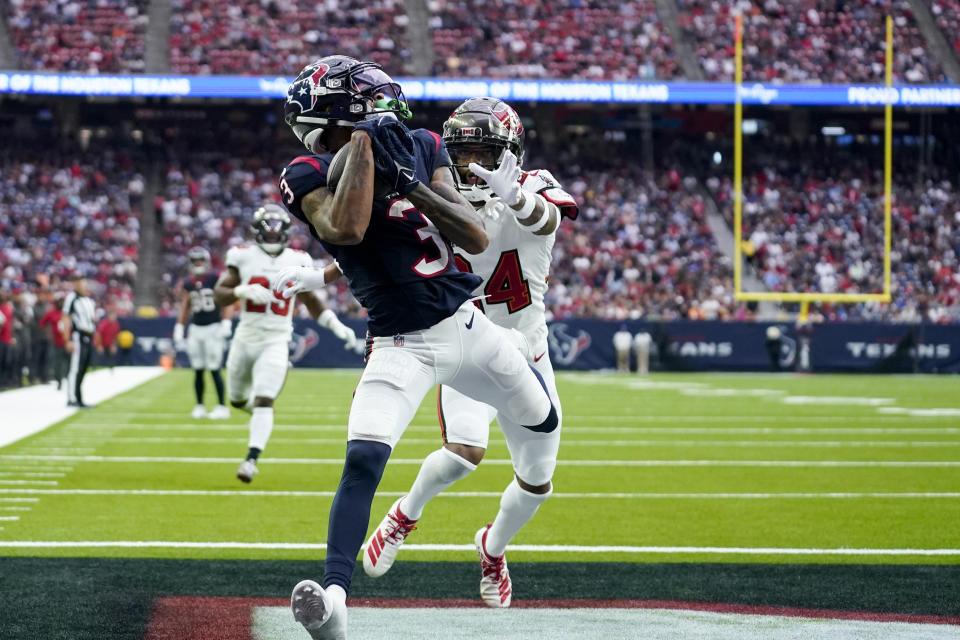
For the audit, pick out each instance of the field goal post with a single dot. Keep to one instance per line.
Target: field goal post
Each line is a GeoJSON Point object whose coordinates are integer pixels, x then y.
{"type": "Point", "coordinates": [805, 298]}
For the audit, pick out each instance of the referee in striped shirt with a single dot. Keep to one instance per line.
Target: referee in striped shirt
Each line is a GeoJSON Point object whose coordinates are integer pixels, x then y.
{"type": "Point", "coordinates": [79, 309]}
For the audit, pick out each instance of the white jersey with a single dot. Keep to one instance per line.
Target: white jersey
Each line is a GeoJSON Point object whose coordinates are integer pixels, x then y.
{"type": "Point", "coordinates": [516, 263]}
{"type": "Point", "coordinates": [272, 321]}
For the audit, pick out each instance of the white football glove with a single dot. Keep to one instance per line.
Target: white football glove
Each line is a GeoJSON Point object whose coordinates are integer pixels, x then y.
{"type": "Point", "coordinates": [292, 280]}
{"type": "Point", "coordinates": [255, 293]}
{"type": "Point", "coordinates": [329, 320]}
{"type": "Point", "coordinates": [179, 344]}
{"type": "Point", "coordinates": [226, 328]}
{"type": "Point", "coordinates": [505, 181]}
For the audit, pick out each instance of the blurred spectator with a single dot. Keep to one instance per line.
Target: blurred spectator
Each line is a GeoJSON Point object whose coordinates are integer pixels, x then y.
{"type": "Point", "coordinates": [73, 35]}
{"type": "Point", "coordinates": [586, 40]}
{"type": "Point", "coordinates": [105, 338]}
{"type": "Point", "coordinates": [282, 36]}
{"type": "Point", "coordinates": [814, 219]}
{"type": "Point", "coordinates": [7, 375]}
{"type": "Point", "coordinates": [622, 340]}
{"type": "Point", "coordinates": [52, 325]}
{"type": "Point", "coordinates": [815, 41]}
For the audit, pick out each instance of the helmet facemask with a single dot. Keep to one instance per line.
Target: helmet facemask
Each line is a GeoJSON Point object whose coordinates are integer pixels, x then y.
{"type": "Point", "coordinates": [339, 91]}
{"type": "Point", "coordinates": [270, 226]}
{"type": "Point", "coordinates": [485, 154]}
{"type": "Point", "coordinates": [480, 130]}
{"type": "Point", "coordinates": [199, 261]}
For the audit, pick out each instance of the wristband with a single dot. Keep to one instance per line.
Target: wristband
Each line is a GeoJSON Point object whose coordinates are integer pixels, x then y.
{"type": "Point", "coordinates": [327, 318]}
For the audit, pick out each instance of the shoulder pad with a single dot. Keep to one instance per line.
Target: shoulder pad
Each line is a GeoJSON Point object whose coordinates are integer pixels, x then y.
{"type": "Point", "coordinates": [542, 181]}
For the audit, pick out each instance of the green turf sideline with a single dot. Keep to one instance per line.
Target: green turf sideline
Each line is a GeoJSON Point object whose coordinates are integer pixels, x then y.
{"type": "Point", "coordinates": [32, 409]}
{"type": "Point", "coordinates": [111, 599]}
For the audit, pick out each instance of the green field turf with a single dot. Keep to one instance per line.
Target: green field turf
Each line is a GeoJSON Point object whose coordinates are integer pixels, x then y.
{"type": "Point", "coordinates": [668, 468]}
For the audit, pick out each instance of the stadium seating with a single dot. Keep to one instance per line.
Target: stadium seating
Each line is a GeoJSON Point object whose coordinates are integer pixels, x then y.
{"type": "Point", "coordinates": [601, 39]}
{"type": "Point", "coordinates": [818, 226]}
{"type": "Point", "coordinates": [808, 41]}
{"type": "Point", "coordinates": [67, 214]}
{"type": "Point", "coordinates": [251, 37]}
{"type": "Point", "coordinates": [90, 37]}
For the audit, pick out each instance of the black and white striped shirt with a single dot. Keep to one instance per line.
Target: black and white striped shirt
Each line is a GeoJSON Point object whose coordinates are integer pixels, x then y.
{"type": "Point", "coordinates": [82, 312]}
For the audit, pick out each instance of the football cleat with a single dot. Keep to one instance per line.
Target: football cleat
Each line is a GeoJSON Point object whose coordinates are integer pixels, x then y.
{"type": "Point", "coordinates": [219, 412]}
{"type": "Point", "coordinates": [248, 468]}
{"type": "Point", "coordinates": [199, 411]}
{"type": "Point", "coordinates": [495, 586]}
{"type": "Point", "coordinates": [381, 549]}
{"type": "Point", "coordinates": [323, 617]}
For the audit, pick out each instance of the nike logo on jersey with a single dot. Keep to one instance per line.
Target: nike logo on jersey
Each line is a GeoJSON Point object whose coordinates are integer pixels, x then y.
{"type": "Point", "coordinates": [469, 325]}
{"type": "Point", "coordinates": [537, 358]}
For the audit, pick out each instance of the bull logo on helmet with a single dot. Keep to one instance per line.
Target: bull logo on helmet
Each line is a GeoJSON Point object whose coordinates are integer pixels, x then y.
{"type": "Point", "coordinates": [315, 79]}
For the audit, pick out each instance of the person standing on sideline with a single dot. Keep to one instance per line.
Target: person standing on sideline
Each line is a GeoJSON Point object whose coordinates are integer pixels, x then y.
{"type": "Point", "coordinates": [52, 324]}
{"type": "Point", "coordinates": [622, 340]}
{"type": "Point", "coordinates": [105, 339]}
{"type": "Point", "coordinates": [80, 313]}
{"type": "Point", "coordinates": [208, 328]}
{"type": "Point", "coordinates": [6, 339]}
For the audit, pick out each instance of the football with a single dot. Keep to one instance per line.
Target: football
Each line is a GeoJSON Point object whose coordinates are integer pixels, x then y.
{"type": "Point", "coordinates": [335, 171]}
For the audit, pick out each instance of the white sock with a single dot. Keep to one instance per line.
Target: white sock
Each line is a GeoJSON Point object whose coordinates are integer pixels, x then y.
{"type": "Point", "coordinates": [336, 592]}
{"type": "Point", "coordinates": [261, 424]}
{"type": "Point", "coordinates": [517, 507]}
{"type": "Point", "coordinates": [439, 470]}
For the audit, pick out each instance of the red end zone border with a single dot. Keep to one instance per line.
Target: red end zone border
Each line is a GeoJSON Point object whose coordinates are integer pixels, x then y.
{"type": "Point", "coordinates": [208, 618]}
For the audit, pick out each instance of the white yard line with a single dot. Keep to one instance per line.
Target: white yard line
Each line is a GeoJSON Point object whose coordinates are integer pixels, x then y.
{"type": "Point", "coordinates": [581, 443]}
{"type": "Point", "coordinates": [243, 493]}
{"type": "Point", "coordinates": [33, 409]}
{"type": "Point", "coordinates": [9, 518]}
{"type": "Point", "coordinates": [488, 462]}
{"type": "Point", "coordinates": [533, 548]}
{"type": "Point", "coordinates": [281, 428]}
{"type": "Point", "coordinates": [6, 499]}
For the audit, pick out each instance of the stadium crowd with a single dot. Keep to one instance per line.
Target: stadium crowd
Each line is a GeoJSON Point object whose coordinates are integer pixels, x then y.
{"type": "Point", "coordinates": [73, 35]}
{"type": "Point", "coordinates": [813, 221]}
{"type": "Point", "coordinates": [583, 39]}
{"type": "Point", "coordinates": [257, 37]}
{"type": "Point", "coordinates": [829, 41]}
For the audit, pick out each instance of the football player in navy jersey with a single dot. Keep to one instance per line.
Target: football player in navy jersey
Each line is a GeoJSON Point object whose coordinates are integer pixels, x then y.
{"type": "Point", "coordinates": [395, 250]}
{"type": "Point", "coordinates": [209, 329]}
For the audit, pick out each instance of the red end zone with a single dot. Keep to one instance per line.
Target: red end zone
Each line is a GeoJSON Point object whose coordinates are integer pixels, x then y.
{"type": "Point", "coordinates": [201, 618]}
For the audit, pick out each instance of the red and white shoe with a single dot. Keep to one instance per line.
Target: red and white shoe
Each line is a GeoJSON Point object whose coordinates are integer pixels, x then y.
{"type": "Point", "coordinates": [381, 549]}
{"type": "Point", "coordinates": [495, 585]}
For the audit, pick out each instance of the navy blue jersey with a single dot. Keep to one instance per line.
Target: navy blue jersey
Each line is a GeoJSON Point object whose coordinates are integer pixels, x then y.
{"type": "Point", "coordinates": [203, 311]}
{"type": "Point", "coordinates": [403, 271]}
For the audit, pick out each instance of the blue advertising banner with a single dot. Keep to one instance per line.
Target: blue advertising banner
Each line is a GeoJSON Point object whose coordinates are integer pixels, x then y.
{"type": "Point", "coordinates": [223, 86]}
{"type": "Point", "coordinates": [675, 346]}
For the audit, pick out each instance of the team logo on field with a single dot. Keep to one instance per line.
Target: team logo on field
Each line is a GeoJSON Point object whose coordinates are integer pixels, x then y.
{"type": "Point", "coordinates": [566, 347]}
{"type": "Point", "coordinates": [302, 344]}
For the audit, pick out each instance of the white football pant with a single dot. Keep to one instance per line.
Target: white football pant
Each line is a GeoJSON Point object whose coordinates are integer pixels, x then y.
{"type": "Point", "coordinates": [466, 352]}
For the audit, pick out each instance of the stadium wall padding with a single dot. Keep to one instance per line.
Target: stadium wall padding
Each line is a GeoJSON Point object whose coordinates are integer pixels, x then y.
{"type": "Point", "coordinates": [580, 344]}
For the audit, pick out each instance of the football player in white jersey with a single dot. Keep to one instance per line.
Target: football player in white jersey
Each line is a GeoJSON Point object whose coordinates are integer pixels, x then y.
{"type": "Point", "coordinates": [258, 358]}
{"type": "Point", "coordinates": [521, 211]}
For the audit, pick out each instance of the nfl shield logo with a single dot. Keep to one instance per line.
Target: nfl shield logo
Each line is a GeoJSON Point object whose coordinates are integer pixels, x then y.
{"type": "Point", "coordinates": [398, 340]}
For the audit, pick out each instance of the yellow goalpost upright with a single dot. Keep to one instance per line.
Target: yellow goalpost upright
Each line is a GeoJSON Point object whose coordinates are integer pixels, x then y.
{"type": "Point", "coordinates": [805, 298]}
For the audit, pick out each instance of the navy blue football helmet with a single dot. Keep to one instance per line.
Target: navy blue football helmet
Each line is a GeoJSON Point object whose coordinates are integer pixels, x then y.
{"type": "Point", "coordinates": [339, 91]}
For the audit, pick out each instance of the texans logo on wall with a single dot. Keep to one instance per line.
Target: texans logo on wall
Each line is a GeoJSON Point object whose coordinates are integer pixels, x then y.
{"type": "Point", "coordinates": [302, 343]}
{"type": "Point", "coordinates": [565, 346]}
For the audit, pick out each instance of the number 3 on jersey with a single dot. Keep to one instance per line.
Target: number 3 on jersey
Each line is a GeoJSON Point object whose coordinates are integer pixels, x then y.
{"type": "Point", "coordinates": [506, 285]}
{"type": "Point", "coordinates": [280, 308]}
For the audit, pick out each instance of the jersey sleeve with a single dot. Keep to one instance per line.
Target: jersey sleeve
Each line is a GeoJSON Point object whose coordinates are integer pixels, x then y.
{"type": "Point", "coordinates": [543, 183]}
{"type": "Point", "coordinates": [303, 175]}
{"type": "Point", "coordinates": [434, 149]}
{"type": "Point", "coordinates": [234, 258]}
